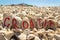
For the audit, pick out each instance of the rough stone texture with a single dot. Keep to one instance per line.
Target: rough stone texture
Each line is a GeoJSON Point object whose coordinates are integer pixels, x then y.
{"type": "Point", "coordinates": [24, 11]}
{"type": "Point", "coordinates": [30, 11]}
{"type": "Point", "coordinates": [2, 37]}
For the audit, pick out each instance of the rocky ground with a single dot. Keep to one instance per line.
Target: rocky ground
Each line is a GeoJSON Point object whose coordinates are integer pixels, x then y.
{"type": "Point", "coordinates": [23, 11]}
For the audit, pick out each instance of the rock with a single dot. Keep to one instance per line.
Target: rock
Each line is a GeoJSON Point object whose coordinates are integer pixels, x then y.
{"type": "Point", "coordinates": [2, 37]}
{"type": "Point", "coordinates": [57, 36]}
{"type": "Point", "coordinates": [8, 34]}
{"type": "Point", "coordinates": [18, 21]}
{"type": "Point", "coordinates": [1, 16]}
{"type": "Point", "coordinates": [32, 37]}
{"type": "Point", "coordinates": [22, 36]}
{"type": "Point", "coordinates": [26, 31]}
{"type": "Point", "coordinates": [7, 19]}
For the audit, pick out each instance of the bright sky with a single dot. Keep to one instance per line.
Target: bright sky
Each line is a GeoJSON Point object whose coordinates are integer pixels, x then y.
{"type": "Point", "coordinates": [32, 2]}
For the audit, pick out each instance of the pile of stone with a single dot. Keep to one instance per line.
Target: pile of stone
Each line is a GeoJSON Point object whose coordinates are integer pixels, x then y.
{"type": "Point", "coordinates": [21, 13]}
{"type": "Point", "coordinates": [19, 34]}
